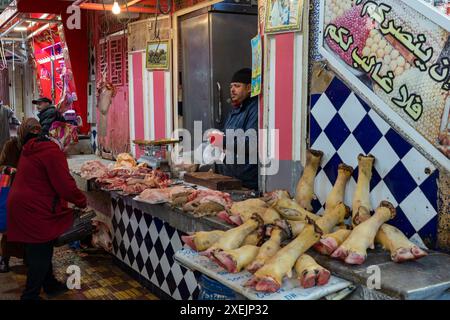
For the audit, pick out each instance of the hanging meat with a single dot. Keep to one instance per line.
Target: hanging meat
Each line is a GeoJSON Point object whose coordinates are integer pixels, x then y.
{"type": "Point", "coordinates": [235, 260]}
{"type": "Point", "coordinates": [361, 206]}
{"type": "Point", "coordinates": [337, 194]}
{"type": "Point", "coordinates": [397, 243]}
{"type": "Point", "coordinates": [310, 273]}
{"type": "Point", "coordinates": [105, 93]}
{"type": "Point", "coordinates": [304, 193]}
{"type": "Point", "coordinates": [354, 248]}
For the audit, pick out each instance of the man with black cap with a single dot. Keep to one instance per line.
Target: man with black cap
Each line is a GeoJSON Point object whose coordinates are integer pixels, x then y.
{"type": "Point", "coordinates": [47, 114]}
{"type": "Point", "coordinates": [244, 116]}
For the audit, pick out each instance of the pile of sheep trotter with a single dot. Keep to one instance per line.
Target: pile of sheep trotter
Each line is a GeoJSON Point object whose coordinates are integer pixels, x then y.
{"type": "Point", "coordinates": [275, 231]}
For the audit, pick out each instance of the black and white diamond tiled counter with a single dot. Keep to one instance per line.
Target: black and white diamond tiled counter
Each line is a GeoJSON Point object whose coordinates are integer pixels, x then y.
{"type": "Point", "coordinates": [147, 245]}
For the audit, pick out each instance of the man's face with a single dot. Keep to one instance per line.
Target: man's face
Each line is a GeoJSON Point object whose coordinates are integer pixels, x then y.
{"type": "Point", "coordinates": [42, 106]}
{"type": "Point", "coordinates": [239, 92]}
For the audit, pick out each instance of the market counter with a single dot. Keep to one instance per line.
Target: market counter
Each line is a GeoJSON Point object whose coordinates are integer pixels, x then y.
{"type": "Point", "coordinates": [146, 238]}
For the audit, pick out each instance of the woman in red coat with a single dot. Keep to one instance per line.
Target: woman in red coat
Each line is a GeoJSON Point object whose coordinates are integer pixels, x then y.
{"type": "Point", "coordinates": [36, 216]}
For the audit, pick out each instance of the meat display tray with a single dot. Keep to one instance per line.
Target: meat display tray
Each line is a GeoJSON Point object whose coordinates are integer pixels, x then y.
{"type": "Point", "coordinates": [289, 291]}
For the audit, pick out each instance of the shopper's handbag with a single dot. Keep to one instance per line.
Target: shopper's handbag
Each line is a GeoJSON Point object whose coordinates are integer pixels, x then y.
{"type": "Point", "coordinates": [81, 228]}
{"type": "Point", "coordinates": [6, 178]}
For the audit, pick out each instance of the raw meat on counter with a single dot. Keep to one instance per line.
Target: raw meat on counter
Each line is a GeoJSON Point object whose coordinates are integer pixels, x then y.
{"type": "Point", "coordinates": [156, 196]}
{"type": "Point", "coordinates": [207, 202]}
{"type": "Point", "coordinates": [125, 160]}
{"type": "Point", "coordinates": [93, 169]}
{"type": "Point", "coordinates": [304, 193]}
{"type": "Point", "coordinates": [310, 273]}
{"type": "Point", "coordinates": [354, 248]}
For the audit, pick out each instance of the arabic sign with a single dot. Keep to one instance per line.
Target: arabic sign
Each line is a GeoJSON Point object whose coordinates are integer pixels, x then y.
{"type": "Point", "coordinates": [398, 57]}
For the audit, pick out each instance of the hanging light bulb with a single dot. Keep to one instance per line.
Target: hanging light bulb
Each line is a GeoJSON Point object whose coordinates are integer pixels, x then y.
{"type": "Point", "coordinates": [116, 8]}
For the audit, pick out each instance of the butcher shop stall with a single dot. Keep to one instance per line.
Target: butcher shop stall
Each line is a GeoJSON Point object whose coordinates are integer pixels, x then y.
{"type": "Point", "coordinates": [353, 143]}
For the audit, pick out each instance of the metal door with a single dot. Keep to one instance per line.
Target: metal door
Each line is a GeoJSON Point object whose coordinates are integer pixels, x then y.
{"type": "Point", "coordinates": [196, 72]}
{"type": "Point", "coordinates": [230, 51]}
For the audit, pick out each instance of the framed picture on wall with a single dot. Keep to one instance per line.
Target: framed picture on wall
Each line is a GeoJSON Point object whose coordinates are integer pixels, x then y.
{"type": "Point", "coordinates": [283, 15]}
{"type": "Point", "coordinates": [158, 55]}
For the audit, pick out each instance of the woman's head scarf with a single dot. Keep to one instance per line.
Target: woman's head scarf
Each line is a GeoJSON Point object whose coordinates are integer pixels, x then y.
{"type": "Point", "coordinates": [29, 126]}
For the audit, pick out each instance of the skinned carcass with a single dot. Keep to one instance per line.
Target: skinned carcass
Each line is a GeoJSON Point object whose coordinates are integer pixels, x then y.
{"type": "Point", "coordinates": [310, 273]}
{"type": "Point", "coordinates": [304, 193]}
{"type": "Point", "coordinates": [354, 248]}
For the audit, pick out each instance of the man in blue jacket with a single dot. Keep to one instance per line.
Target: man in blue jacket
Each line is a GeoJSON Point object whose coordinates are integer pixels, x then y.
{"type": "Point", "coordinates": [244, 116]}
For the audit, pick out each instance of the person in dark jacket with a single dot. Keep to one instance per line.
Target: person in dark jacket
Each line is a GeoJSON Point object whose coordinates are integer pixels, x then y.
{"type": "Point", "coordinates": [244, 116]}
{"type": "Point", "coordinates": [9, 157]}
{"type": "Point", "coordinates": [36, 214]}
{"type": "Point", "coordinates": [47, 114]}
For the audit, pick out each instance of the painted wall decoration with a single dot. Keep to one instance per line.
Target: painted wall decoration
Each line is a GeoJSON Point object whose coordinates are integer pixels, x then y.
{"type": "Point", "coordinates": [342, 125]}
{"type": "Point", "coordinates": [283, 15]}
{"type": "Point", "coordinates": [396, 54]}
{"type": "Point", "coordinates": [256, 65]}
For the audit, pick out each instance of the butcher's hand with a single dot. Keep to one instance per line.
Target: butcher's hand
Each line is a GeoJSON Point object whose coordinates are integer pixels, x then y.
{"type": "Point", "coordinates": [215, 138]}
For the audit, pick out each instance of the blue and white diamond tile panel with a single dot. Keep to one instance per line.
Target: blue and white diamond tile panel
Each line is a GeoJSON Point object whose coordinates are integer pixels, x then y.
{"type": "Point", "coordinates": [343, 126]}
{"type": "Point", "coordinates": [147, 245]}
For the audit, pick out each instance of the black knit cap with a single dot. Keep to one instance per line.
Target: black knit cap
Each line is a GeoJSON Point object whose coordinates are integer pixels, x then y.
{"type": "Point", "coordinates": [243, 76]}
